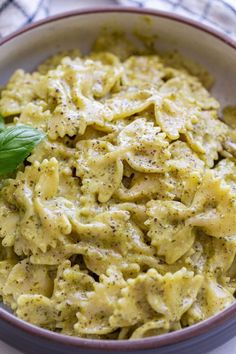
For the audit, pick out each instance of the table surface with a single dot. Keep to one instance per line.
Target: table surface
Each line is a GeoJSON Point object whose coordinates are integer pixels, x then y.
{"type": "Point", "coordinates": [60, 6]}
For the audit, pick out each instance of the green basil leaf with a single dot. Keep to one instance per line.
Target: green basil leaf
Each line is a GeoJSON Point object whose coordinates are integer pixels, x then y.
{"type": "Point", "coordinates": [16, 143]}
{"type": "Point", "coordinates": [2, 124]}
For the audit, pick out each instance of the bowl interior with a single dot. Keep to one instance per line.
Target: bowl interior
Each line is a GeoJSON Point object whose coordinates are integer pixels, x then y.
{"type": "Point", "coordinates": [80, 31]}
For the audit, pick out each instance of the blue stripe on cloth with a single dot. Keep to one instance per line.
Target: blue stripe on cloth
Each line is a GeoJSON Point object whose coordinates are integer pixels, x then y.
{"type": "Point", "coordinates": [19, 7]}
{"type": "Point", "coordinates": [177, 4]}
{"type": "Point", "coordinates": [219, 13]}
{"type": "Point", "coordinates": [139, 3]}
{"type": "Point", "coordinates": [206, 9]}
{"type": "Point", "coordinates": [203, 10]}
{"type": "Point", "coordinates": [230, 7]}
{"type": "Point", "coordinates": [46, 7]}
{"type": "Point", "coordinates": [4, 6]}
{"type": "Point", "coordinates": [192, 12]}
{"type": "Point", "coordinates": [31, 18]}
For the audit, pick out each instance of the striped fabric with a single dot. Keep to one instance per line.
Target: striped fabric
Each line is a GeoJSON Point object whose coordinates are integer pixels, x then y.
{"type": "Point", "coordinates": [220, 14]}
{"type": "Point", "coordinates": [18, 13]}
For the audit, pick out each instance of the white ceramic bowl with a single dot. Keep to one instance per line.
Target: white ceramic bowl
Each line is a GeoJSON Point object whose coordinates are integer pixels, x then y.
{"type": "Point", "coordinates": [26, 49]}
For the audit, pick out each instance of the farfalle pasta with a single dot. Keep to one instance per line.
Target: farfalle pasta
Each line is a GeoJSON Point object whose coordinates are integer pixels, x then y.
{"type": "Point", "coordinates": [121, 223]}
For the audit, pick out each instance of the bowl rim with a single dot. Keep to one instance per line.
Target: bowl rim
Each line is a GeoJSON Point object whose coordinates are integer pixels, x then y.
{"type": "Point", "coordinates": [125, 9]}
{"type": "Point", "coordinates": [167, 339]}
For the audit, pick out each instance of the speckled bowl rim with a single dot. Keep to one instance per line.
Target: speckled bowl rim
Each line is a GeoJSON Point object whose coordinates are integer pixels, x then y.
{"type": "Point", "coordinates": [137, 344]}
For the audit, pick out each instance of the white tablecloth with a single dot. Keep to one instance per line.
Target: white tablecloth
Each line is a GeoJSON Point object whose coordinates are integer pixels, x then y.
{"type": "Point", "coordinates": [58, 6]}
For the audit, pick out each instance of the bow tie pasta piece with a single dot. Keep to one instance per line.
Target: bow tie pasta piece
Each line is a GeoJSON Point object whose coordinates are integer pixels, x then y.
{"type": "Point", "coordinates": [39, 225]}
{"type": "Point", "coordinates": [93, 76]}
{"type": "Point", "coordinates": [176, 114]}
{"type": "Point", "coordinates": [171, 224]}
{"type": "Point", "coordinates": [202, 97]}
{"type": "Point", "coordinates": [150, 295]}
{"type": "Point", "coordinates": [35, 114]}
{"type": "Point", "coordinates": [140, 71]}
{"type": "Point", "coordinates": [211, 299]}
{"type": "Point", "coordinates": [133, 308]}
{"type": "Point", "coordinates": [100, 168]}
{"type": "Point", "coordinates": [65, 116]}
{"type": "Point", "coordinates": [153, 328]}
{"type": "Point", "coordinates": [43, 218]}
{"type": "Point", "coordinates": [9, 219]}
{"type": "Point", "coordinates": [147, 147]}
{"type": "Point", "coordinates": [145, 186]}
{"type": "Point", "coordinates": [172, 294]}
{"type": "Point", "coordinates": [112, 238]}
{"type": "Point", "coordinates": [46, 186]}
{"type": "Point", "coordinates": [26, 278]}
{"type": "Point", "coordinates": [221, 254]}
{"type": "Point", "coordinates": [125, 236]}
{"type": "Point", "coordinates": [184, 159]}
{"type": "Point", "coordinates": [171, 227]}
{"type": "Point", "coordinates": [229, 145]}
{"type": "Point", "coordinates": [202, 140]}
{"type": "Point", "coordinates": [214, 208]}
{"type": "Point", "coordinates": [182, 66]}
{"type": "Point", "coordinates": [97, 258]}
{"type": "Point", "coordinates": [127, 103]}
{"type": "Point", "coordinates": [190, 87]}
{"type": "Point", "coordinates": [106, 71]}
{"type": "Point", "coordinates": [43, 312]}
{"type": "Point", "coordinates": [108, 227]}
{"type": "Point", "coordinates": [69, 119]}
{"type": "Point", "coordinates": [185, 171]}
{"type": "Point", "coordinates": [212, 255]}
{"type": "Point", "coordinates": [5, 269]}
{"type": "Point", "coordinates": [48, 149]}
{"type": "Point", "coordinates": [177, 83]}
{"type": "Point", "coordinates": [137, 213]}
{"type": "Point", "coordinates": [72, 110]}
{"type": "Point", "coordinates": [69, 185]}
{"type": "Point", "coordinates": [54, 218]}
{"type": "Point", "coordinates": [71, 287]}
{"type": "Point", "coordinates": [19, 194]}
{"type": "Point", "coordinates": [182, 185]}
{"type": "Point", "coordinates": [93, 318]}
{"type": "Point", "coordinates": [51, 215]}
{"type": "Point", "coordinates": [19, 92]}
{"type": "Point", "coordinates": [226, 170]}
{"type": "Point", "coordinates": [167, 229]}
{"type": "Point", "coordinates": [65, 248]}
